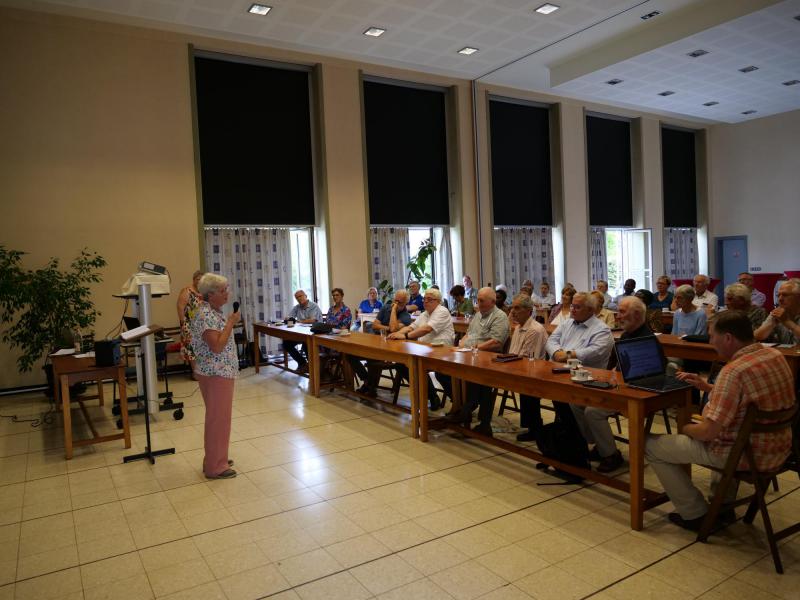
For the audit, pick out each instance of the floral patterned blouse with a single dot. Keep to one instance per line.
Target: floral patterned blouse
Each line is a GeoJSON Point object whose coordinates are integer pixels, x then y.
{"type": "Point", "coordinates": [341, 319]}
{"type": "Point", "coordinates": [209, 363]}
{"type": "Point", "coordinates": [187, 352]}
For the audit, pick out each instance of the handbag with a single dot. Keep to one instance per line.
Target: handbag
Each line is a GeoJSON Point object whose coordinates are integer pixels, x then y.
{"type": "Point", "coordinates": [320, 327]}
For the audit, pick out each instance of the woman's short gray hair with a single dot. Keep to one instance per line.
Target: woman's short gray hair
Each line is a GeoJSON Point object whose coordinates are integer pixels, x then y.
{"type": "Point", "coordinates": [685, 291]}
{"type": "Point", "coordinates": [211, 282]}
{"type": "Point", "coordinates": [372, 289]}
{"type": "Point", "coordinates": [739, 290]}
{"type": "Point", "coordinates": [524, 301]}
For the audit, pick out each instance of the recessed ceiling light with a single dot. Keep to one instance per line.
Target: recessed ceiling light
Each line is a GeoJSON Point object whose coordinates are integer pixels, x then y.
{"type": "Point", "coordinates": [650, 15]}
{"type": "Point", "coordinates": [614, 81]}
{"type": "Point", "coordinates": [749, 112]}
{"type": "Point", "coordinates": [749, 69]}
{"type": "Point", "coordinates": [466, 51]}
{"type": "Point", "coordinates": [667, 93]}
{"type": "Point", "coordinates": [791, 82]}
{"type": "Point", "coordinates": [546, 9]}
{"type": "Point", "coordinates": [259, 9]}
{"type": "Point", "coordinates": [697, 53]}
{"type": "Point", "coordinates": [374, 32]}
{"type": "Point", "coordinates": [712, 103]}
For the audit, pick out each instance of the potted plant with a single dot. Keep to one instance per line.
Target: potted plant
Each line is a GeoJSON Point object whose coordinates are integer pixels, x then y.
{"type": "Point", "coordinates": [38, 306]}
{"type": "Point", "coordinates": [417, 270]}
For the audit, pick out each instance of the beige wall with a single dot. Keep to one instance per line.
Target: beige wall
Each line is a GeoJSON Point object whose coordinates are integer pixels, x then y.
{"type": "Point", "coordinates": [755, 188]}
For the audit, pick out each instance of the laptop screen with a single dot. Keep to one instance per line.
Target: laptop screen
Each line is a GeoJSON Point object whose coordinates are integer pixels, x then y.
{"type": "Point", "coordinates": [131, 322]}
{"type": "Point", "coordinates": [640, 357]}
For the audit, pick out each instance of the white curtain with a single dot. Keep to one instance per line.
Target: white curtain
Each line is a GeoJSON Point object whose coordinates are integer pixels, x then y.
{"type": "Point", "coordinates": [680, 252]}
{"type": "Point", "coordinates": [443, 259]}
{"type": "Point", "coordinates": [258, 265]}
{"type": "Point", "coordinates": [522, 253]}
{"type": "Point", "coordinates": [390, 254]}
{"type": "Point", "coordinates": [597, 252]}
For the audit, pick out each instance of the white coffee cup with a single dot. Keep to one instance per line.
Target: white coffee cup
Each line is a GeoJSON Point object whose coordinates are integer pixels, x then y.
{"type": "Point", "coordinates": [573, 363]}
{"type": "Point", "coordinates": [580, 375]}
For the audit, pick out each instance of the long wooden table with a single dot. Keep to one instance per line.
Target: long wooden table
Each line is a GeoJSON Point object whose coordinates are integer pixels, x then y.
{"type": "Point", "coordinates": [296, 333]}
{"type": "Point", "coordinates": [371, 346]}
{"type": "Point", "coordinates": [537, 379]}
{"type": "Point", "coordinates": [67, 371]}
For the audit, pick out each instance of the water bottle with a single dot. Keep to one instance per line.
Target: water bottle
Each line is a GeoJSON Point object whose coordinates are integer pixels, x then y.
{"type": "Point", "coordinates": [77, 340]}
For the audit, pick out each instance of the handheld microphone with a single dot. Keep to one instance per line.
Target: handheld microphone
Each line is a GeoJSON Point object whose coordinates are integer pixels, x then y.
{"type": "Point", "coordinates": [235, 307]}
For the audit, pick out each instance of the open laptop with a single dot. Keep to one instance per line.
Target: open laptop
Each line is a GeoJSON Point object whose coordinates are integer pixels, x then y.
{"type": "Point", "coordinates": [643, 365]}
{"type": "Point", "coordinates": [133, 323]}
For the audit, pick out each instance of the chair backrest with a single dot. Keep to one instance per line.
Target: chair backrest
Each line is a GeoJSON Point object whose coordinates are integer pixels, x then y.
{"type": "Point", "coordinates": [506, 345]}
{"type": "Point", "coordinates": [760, 421]}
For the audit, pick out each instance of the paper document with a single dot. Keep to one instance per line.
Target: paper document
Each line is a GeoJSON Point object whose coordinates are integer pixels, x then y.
{"type": "Point", "coordinates": [132, 333]}
{"type": "Point", "coordinates": [85, 355]}
{"type": "Point", "coordinates": [64, 352]}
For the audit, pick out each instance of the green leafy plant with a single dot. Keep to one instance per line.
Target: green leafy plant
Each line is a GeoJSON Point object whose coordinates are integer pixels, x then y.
{"type": "Point", "coordinates": [419, 269]}
{"type": "Point", "coordinates": [36, 306]}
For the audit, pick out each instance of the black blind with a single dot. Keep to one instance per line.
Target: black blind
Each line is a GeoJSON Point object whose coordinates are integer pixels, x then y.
{"type": "Point", "coordinates": [608, 154]}
{"type": "Point", "coordinates": [406, 155]}
{"type": "Point", "coordinates": [520, 151]}
{"type": "Point", "coordinates": [679, 178]}
{"type": "Point", "coordinates": [255, 144]}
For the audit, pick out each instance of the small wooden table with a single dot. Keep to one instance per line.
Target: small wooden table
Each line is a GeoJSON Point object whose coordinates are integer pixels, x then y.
{"type": "Point", "coordinates": [537, 379]}
{"type": "Point", "coordinates": [67, 371]}
{"type": "Point", "coordinates": [371, 346]}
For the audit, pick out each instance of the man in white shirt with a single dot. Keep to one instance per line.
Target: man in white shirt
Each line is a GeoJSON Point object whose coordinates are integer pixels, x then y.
{"type": "Point", "coordinates": [602, 287]}
{"type": "Point", "coordinates": [703, 298]}
{"type": "Point", "coordinates": [433, 325]}
{"type": "Point", "coordinates": [545, 297]}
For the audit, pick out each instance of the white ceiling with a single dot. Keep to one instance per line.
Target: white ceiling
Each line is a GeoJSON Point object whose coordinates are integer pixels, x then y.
{"type": "Point", "coordinates": [516, 45]}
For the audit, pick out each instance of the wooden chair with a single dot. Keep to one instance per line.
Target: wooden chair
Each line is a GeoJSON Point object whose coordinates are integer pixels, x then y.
{"type": "Point", "coordinates": [755, 421]}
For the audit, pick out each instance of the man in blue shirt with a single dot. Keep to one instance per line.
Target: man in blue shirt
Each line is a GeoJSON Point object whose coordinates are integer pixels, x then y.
{"type": "Point", "coordinates": [587, 338]}
{"type": "Point", "coordinates": [305, 311]}
{"type": "Point", "coordinates": [392, 317]}
{"type": "Point", "coordinates": [415, 300]}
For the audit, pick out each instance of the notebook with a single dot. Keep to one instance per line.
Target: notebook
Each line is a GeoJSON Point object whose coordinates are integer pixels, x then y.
{"type": "Point", "coordinates": [643, 365]}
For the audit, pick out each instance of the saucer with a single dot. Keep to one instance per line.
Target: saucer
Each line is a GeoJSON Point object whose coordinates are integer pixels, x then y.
{"type": "Point", "coordinates": [574, 380]}
{"type": "Point", "coordinates": [440, 343]}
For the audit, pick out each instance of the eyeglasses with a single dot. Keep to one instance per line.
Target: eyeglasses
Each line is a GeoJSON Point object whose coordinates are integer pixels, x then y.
{"type": "Point", "coordinates": [430, 299]}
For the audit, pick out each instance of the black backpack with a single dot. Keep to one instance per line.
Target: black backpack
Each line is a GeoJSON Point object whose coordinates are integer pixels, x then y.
{"type": "Point", "coordinates": [562, 441]}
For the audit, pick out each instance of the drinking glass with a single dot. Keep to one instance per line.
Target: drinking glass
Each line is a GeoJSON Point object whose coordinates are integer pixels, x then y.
{"type": "Point", "coordinates": [383, 335]}
{"type": "Point", "coordinates": [531, 355]}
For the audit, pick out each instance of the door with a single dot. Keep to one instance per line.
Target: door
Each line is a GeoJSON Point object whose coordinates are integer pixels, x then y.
{"type": "Point", "coordinates": [731, 260]}
{"type": "Point", "coordinates": [637, 257]}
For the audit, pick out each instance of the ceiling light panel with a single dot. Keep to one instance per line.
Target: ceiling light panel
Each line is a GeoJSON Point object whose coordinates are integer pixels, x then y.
{"type": "Point", "coordinates": [666, 93]}
{"type": "Point", "coordinates": [697, 53]}
{"type": "Point", "coordinates": [546, 9]}
{"type": "Point", "coordinates": [374, 32]}
{"type": "Point", "coordinates": [749, 69]}
{"type": "Point", "coordinates": [614, 81]}
{"type": "Point", "coordinates": [650, 15]}
{"type": "Point", "coordinates": [467, 51]}
{"type": "Point", "coordinates": [259, 9]}
{"type": "Point", "coordinates": [712, 103]}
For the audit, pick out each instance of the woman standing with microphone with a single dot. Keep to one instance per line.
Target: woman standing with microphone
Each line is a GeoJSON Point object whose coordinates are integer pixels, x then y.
{"type": "Point", "coordinates": [216, 366]}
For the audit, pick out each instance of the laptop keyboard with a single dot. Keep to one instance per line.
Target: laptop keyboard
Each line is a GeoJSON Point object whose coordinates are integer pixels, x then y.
{"type": "Point", "coordinates": [664, 382]}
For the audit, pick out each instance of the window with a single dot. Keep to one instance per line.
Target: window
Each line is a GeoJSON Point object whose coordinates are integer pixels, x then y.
{"type": "Point", "coordinates": [608, 157]}
{"type": "Point", "coordinates": [679, 178]}
{"type": "Point", "coordinates": [302, 251]}
{"type": "Point", "coordinates": [255, 149]}
{"type": "Point", "coordinates": [628, 256]}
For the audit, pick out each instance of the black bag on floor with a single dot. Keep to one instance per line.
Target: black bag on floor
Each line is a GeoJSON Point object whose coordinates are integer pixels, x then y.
{"type": "Point", "coordinates": [562, 441]}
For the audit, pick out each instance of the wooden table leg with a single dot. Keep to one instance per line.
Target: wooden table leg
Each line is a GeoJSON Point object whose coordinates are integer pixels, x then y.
{"type": "Point", "coordinates": [422, 398]}
{"type": "Point", "coordinates": [416, 402]}
{"type": "Point", "coordinates": [256, 350]}
{"type": "Point", "coordinates": [123, 406]}
{"type": "Point", "coordinates": [100, 396]}
{"type": "Point", "coordinates": [313, 365]}
{"type": "Point", "coordinates": [636, 439]}
{"type": "Point", "coordinates": [67, 417]}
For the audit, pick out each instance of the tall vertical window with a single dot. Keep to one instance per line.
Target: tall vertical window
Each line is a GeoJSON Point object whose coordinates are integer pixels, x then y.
{"type": "Point", "coordinates": [608, 159]}
{"type": "Point", "coordinates": [255, 145]}
{"type": "Point", "coordinates": [302, 251]}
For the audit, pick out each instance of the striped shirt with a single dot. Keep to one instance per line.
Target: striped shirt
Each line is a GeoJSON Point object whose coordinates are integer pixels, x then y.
{"type": "Point", "coordinates": [754, 374]}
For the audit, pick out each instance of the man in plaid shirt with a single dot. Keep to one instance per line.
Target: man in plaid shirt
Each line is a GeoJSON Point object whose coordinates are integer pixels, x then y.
{"type": "Point", "coordinates": [753, 374]}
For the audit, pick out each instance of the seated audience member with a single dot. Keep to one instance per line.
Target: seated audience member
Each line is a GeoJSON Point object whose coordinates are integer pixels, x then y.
{"type": "Point", "coordinates": [593, 421]}
{"type": "Point", "coordinates": [444, 300]}
{"type": "Point", "coordinates": [753, 374]}
{"type": "Point", "coordinates": [415, 299]}
{"type": "Point", "coordinates": [502, 287]}
{"type": "Point", "coordinates": [605, 315]}
{"type": "Point", "coordinates": [602, 287]}
{"type": "Point", "coordinates": [653, 316]}
{"type": "Point", "coordinates": [737, 297]}
{"type": "Point", "coordinates": [703, 297]}
{"type": "Point", "coordinates": [585, 337]}
{"type": "Point", "coordinates": [783, 323]}
{"type": "Point", "coordinates": [545, 297]}
{"type": "Point", "coordinates": [628, 289]}
{"type": "Point", "coordinates": [500, 297]}
{"type": "Point", "coordinates": [487, 331]}
{"type": "Point", "coordinates": [469, 291]}
{"type": "Point", "coordinates": [560, 312]}
{"type": "Point", "coordinates": [756, 297]}
{"type": "Point", "coordinates": [461, 305]}
{"type": "Point", "coordinates": [391, 318]}
{"type": "Point", "coordinates": [370, 305]}
{"type": "Point", "coordinates": [434, 324]}
{"type": "Point", "coordinates": [527, 290]}
{"type": "Point", "coordinates": [305, 311]}
{"type": "Point", "coordinates": [663, 297]}
{"type": "Point", "coordinates": [338, 314]}
{"type": "Point", "coordinates": [688, 319]}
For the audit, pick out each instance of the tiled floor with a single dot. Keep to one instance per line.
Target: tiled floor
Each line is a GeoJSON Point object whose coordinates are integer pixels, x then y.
{"type": "Point", "coordinates": [335, 500]}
